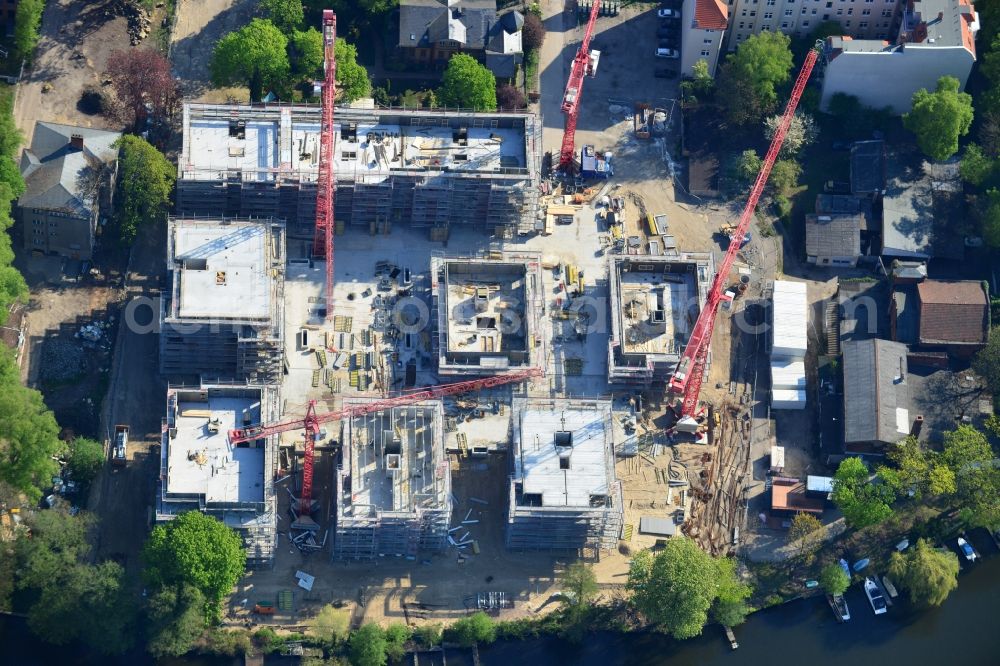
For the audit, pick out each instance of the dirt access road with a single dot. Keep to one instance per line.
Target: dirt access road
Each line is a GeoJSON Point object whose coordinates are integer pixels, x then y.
{"type": "Point", "coordinates": [200, 24]}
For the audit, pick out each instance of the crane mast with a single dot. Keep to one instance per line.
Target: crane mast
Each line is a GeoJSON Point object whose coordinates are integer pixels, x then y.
{"type": "Point", "coordinates": [574, 88]}
{"type": "Point", "coordinates": [690, 370]}
{"type": "Point", "coordinates": [323, 238]}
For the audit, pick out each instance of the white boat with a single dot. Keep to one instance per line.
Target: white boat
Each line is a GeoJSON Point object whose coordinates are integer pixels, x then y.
{"type": "Point", "coordinates": [967, 550]}
{"type": "Point", "coordinates": [874, 595]}
{"type": "Point", "coordinates": [839, 606]}
{"type": "Point", "coordinates": [890, 588]}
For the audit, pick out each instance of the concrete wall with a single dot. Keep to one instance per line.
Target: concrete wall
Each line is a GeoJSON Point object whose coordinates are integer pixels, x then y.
{"type": "Point", "coordinates": [889, 78]}
{"type": "Point", "coordinates": [698, 44]}
{"type": "Point", "coordinates": [56, 232]}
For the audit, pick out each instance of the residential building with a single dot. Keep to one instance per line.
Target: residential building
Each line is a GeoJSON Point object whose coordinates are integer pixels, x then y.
{"type": "Point", "coordinates": [861, 19]}
{"type": "Point", "coordinates": [703, 25]}
{"type": "Point", "coordinates": [833, 240]}
{"type": "Point", "coordinates": [876, 395]}
{"type": "Point", "coordinates": [920, 209]}
{"type": "Point", "coordinates": [943, 315]}
{"type": "Point", "coordinates": [431, 31]}
{"type": "Point", "coordinates": [222, 317]}
{"type": "Point", "coordinates": [201, 471]}
{"type": "Point", "coordinates": [433, 169]}
{"type": "Point", "coordinates": [69, 174]}
{"type": "Point", "coordinates": [564, 493]}
{"type": "Point", "coordinates": [935, 38]}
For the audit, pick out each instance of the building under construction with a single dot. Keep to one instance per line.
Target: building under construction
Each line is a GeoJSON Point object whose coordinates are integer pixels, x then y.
{"type": "Point", "coordinates": [654, 303]}
{"type": "Point", "coordinates": [222, 316]}
{"type": "Point", "coordinates": [421, 168]}
{"type": "Point", "coordinates": [564, 494]}
{"type": "Point", "coordinates": [201, 471]}
{"type": "Point", "coordinates": [394, 486]}
{"type": "Point", "coordinates": [487, 312]}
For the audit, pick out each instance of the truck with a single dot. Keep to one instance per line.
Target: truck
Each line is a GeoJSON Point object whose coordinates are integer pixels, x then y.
{"type": "Point", "coordinates": [594, 164]}
{"type": "Point", "coordinates": [119, 446]}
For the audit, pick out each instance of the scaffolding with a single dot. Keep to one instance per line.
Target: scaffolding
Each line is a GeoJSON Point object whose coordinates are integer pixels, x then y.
{"type": "Point", "coordinates": [394, 497]}
{"type": "Point", "coordinates": [563, 492]}
{"type": "Point", "coordinates": [225, 342]}
{"type": "Point", "coordinates": [444, 184]}
{"type": "Point", "coordinates": [253, 518]}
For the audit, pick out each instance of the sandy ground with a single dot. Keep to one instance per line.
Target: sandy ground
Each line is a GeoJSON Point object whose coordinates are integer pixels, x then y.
{"type": "Point", "coordinates": [199, 25]}
{"type": "Point", "coordinates": [76, 39]}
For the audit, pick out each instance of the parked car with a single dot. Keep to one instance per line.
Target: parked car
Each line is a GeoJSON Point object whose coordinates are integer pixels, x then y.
{"type": "Point", "coordinates": [667, 53]}
{"type": "Point", "coordinates": [668, 13]}
{"type": "Point", "coordinates": [664, 73]}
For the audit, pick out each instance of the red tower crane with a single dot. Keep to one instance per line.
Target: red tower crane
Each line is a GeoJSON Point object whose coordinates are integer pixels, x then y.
{"type": "Point", "coordinates": [312, 421]}
{"type": "Point", "coordinates": [323, 238]}
{"type": "Point", "coordinates": [574, 88]}
{"type": "Point", "coordinates": [691, 368]}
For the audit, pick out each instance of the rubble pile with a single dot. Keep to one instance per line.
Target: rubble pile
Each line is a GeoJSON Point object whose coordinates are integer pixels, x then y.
{"type": "Point", "coordinates": [136, 15]}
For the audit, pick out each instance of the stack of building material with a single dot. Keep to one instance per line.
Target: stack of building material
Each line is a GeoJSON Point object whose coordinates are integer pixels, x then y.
{"type": "Point", "coordinates": [789, 321]}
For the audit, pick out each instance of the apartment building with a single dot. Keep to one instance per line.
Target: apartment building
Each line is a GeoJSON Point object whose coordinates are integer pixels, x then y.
{"type": "Point", "coordinates": [860, 19]}
{"type": "Point", "coordinates": [704, 26]}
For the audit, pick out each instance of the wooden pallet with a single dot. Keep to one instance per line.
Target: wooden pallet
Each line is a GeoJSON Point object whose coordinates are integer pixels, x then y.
{"type": "Point", "coordinates": [463, 443]}
{"type": "Point", "coordinates": [342, 323]}
{"type": "Point", "coordinates": [315, 378]}
{"type": "Point", "coordinates": [321, 358]}
{"type": "Point", "coordinates": [285, 600]}
{"type": "Point", "coordinates": [627, 534]}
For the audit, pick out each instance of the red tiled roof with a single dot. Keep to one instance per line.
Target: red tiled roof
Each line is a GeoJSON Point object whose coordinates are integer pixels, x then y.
{"type": "Point", "coordinates": [711, 14]}
{"type": "Point", "coordinates": [953, 311]}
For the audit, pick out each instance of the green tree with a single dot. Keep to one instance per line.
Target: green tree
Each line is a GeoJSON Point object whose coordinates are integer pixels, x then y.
{"type": "Point", "coordinates": [987, 361]}
{"type": "Point", "coordinates": [676, 587]}
{"type": "Point", "coordinates": [175, 618]}
{"type": "Point", "coordinates": [805, 533]}
{"type": "Point", "coordinates": [833, 579]}
{"type": "Point", "coordinates": [730, 608]}
{"type": "Point", "coordinates": [86, 457]}
{"type": "Point", "coordinates": [976, 165]}
{"type": "Point", "coordinates": [305, 53]}
{"type": "Point", "coordinates": [58, 541]}
{"type": "Point", "coordinates": [196, 549]}
{"type": "Point", "coordinates": [917, 470]}
{"type": "Point", "coordinates": [581, 584]}
{"type": "Point", "coordinates": [254, 56]}
{"type": "Point", "coordinates": [748, 164]}
{"type": "Point", "coordinates": [331, 624]}
{"type": "Point", "coordinates": [991, 235]}
{"type": "Point", "coordinates": [352, 78]}
{"type": "Point", "coordinates": [428, 635]}
{"type": "Point", "coordinates": [29, 435]}
{"type": "Point", "coordinates": [968, 454]}
{"type": "Point", "coordinates": [802, 132]}
{"type": "Point", "coordinates": [27, 21]}
{"type": "Point", "coordinates": [367, 646]}
{"type": "Point", "coordinates": [784, 176]}
{"type": "Point", "coordinates": [287, 15]}
{"type": "Point", "coordinates": [396, 635]}
{"type": "Point", "coordinates": [145, 182]}
{"type": "Point", "coordinates": [940, 118]}
{"type": "Point", "coordinates": [928, 573]}
{"type": "Point", "coordinates": [748, 80]}
{"type": "Point", "coordinates": [862, 501]}
{"type": "Point", "coordinates": [468, 84]}
{"type": "Point", "coordinates": [476, 628]}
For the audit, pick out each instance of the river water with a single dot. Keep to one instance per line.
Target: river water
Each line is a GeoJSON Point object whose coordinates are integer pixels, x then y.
{"type": "Point", "coordinates": [964, 631]}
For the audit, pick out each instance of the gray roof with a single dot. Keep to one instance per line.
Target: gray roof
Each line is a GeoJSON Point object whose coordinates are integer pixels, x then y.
{"type": "Point", "coordinates": [917, 209]}
{"type": "Point", "coordinates": [907, 314]}
{"type": "Point", "coordinates": [426, 22]}
{"type": "Point", "coordinates": [56, 175]}
{"type": "Point", "coordinates": [937, 23]}
{"type": "Point", "coordinates": [876, 395]}
{"type": "Point", "coordinates": [845, 204]}
{"type": "Point", "coordinates": [867, 167]}
{"type": "Point", "coordinates": [833, 235]}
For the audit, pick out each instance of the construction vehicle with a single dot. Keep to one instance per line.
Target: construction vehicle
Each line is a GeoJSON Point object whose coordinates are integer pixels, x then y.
{"type": "Point", "coordinates": [323, 236]}
{"type": "Point", "coordinates": [312, 421]}
{"type": "Point", "coordinates": [640, 120]}
{"type": "Point", "coordinates": [728, 230]}
{"type": "Point", "coordinates": [690, 371]}
{"type": "Point", "coordinates": [119, 446]}
{"type": "Point", "coordinates": [594, 164]}
{"type": "Point", "coordinates": [583, 65]}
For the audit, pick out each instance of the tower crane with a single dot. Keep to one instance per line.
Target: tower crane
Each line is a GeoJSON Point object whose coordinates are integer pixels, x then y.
{"type": "Point", "coordinates": [574, 88]}
{"type": "Point", "coordinates": [323, 237]}
{"type": "Point", "coordinates": [312, 421]}
{"type": "Point", "coordinates": [690, 370]}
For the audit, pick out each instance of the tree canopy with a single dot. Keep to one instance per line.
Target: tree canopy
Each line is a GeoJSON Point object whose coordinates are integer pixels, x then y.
{"type": "Point", "coordinates": [352, 78]}
{"type": "Point", "coordinates": [86, 457]}
{"type": "Point", "coordinates": [676, 587]}
{"type": "Point", "coordinates": [476, 628]}
{"type": "Point", "coordinates": [532, 32]}
{"type": "Point", "coordinates": [976, 165]}
{"type": "Point", "coordinates": [987, 361]}
{"type": "Point", "coordinates": [929, 574]}
{"type": "Point", "coordinates": [749, 78]}
{"type": "Point", "coordinates": [27, 21]}
{"type": "Point", "coordinates": [196, 549]}
{"type": "Point", "coordinates": [254, 56]}
{"type": "Point", "coordinates": [968, 454]}
{"type": "Point", "coordinates": [917, 470]}
{"type": "Point", "coordinates": [833, 579]}
{"type": "Point", "coordinates": [805, 533]}
{"type": "Point", "coordinates": [145, 182]}
{"type": "Point", "coordinates": [140, 77]}
{"type": "Point", "coordinates": [940, 118]}
{"type": "Point", "coordinates": [286, 15]}
{"type": "Point", "coordinates": [175, 618]}
{"type": "Point", "coordinates": [305, 53]}
{"type": "Point", "coordinates": [862, 502]}
{"type": "Point", "coordinates": [29, 434]}
{"type": "Point", "coordinates": [802, 132]}
{"type": "Point", "coordinates": [579, 581]}
{"type": "Point", "coordinates": [367, 646]}
{"type": "Point", "coordinates": [468, 84]}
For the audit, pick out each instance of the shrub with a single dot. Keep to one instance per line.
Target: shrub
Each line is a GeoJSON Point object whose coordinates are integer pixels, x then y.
{"type": "Point", "coordinates": [477, 628]}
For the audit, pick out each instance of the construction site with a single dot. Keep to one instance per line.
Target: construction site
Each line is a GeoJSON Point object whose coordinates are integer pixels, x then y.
{"type": "Point", "coordinates": [484, 374]}
{"type": "Point", "coordinates": [432, 169]}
